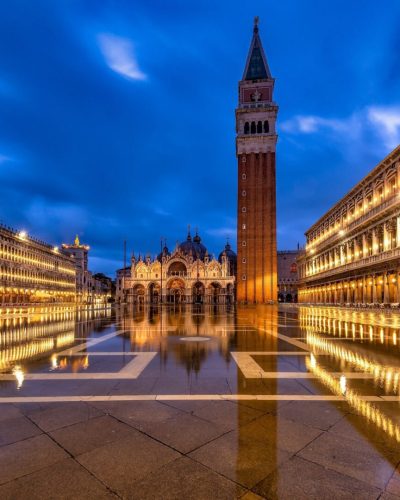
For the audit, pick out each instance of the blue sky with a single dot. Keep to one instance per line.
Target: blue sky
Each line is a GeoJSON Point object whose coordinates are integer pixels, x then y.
{"type": "Point", "coordinates": [117, 118]}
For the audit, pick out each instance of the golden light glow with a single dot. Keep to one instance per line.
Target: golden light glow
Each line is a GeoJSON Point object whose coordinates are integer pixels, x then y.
{"type": "Point", "coordinates": [369, 411]}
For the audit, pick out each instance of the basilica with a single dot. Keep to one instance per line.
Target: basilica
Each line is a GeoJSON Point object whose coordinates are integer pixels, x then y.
{"type": "Point", "coordinates": [188, 275]}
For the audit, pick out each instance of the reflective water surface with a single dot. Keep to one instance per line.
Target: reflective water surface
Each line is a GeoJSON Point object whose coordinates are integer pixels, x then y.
{"type": "Point", "coordinates": [291, 390]}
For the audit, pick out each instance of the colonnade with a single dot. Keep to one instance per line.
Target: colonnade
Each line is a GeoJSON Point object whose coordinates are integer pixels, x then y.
{"type": "Point", "coordinates": [382, 237]}
{"type": "Point", "coordinates": [369, 289]}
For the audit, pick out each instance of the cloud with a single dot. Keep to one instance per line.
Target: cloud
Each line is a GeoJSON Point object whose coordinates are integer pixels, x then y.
{"type": "Point", "coordinates": [388, 119]}
{"type": "Point", "coordinates": [380, 122]}
{"type": "Point", "coordinates": [311, 124]}
{"type": "Point", "coordinates": [120, 56]}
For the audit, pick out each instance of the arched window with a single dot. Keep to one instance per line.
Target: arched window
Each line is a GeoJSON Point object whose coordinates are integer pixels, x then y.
{"type": "Point", "coordinates": [253, 127]}
{"type": "Point", "coordinates": [246, 128]}
{"type": "Point", "coordinates": [266, 127]}
{"type": "Point", "coordinates": [244, 177]}
{"type": "Point", "coordinates": [259, 128]}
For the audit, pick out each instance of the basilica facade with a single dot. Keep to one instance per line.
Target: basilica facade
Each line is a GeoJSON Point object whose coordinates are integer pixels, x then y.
{"type": "Point", "coordinates": [187, 275]}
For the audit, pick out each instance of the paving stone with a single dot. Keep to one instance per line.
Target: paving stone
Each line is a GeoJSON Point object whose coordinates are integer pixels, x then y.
{"type": "Point", "coordinates": [251, 496]}
{"type": "Point", "coordinates": [280, 433]}
{"type": "Point", "coordinates": [298, 479]}
{"type": "Point", "coordinates": [318, 414]}
{"type": "Point", "coordinates": [357, 428]}
{"type": "Point", "coordinates": [30, 455]}
{"type": "Point", "coordinates": [8, 411]}
{"type": "Point", "coordinates": [51, 418]}
{"type": "Point", "coordinates": [17, 429]}
{"type": "Point", "coordinates": [138, 412]}
{"type": "Point", "coordinates": [63, 480]}
{"type": "Point", "coordinates": [393, 486]}
{"type": "Point", "coordinates": [182, 432]}
{"type": "Point", "coordinates": [242, 459]}
{"type": "Point", "coordinates": [359, 459]}
{"type": "Point", "coordinates": [120, 464]}
{"type": "Point", "coordinates": [225, 414]}
{"type": "Point", "coordinates": [85, 436]}
{"type": "Point", "coordinates": [184, 478]}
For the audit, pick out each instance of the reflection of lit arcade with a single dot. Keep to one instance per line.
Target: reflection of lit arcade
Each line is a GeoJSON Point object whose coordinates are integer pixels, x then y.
{"type": "Point", "coordinates": [364, 343]}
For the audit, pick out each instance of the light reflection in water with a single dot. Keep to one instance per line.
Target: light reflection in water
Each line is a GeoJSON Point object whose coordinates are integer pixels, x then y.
{"type": "Point", "coordinates": [364, 408]}
{"type": "Point", "coordinates": [36, 333]}
{"type": "Point", "coordinates": [19, 376]}
{"type": "Point", "coordinates": [385, 375]}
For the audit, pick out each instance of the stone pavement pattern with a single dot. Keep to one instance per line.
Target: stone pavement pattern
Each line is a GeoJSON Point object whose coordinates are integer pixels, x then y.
{"type": "Point", "coordinates": [300, 439]}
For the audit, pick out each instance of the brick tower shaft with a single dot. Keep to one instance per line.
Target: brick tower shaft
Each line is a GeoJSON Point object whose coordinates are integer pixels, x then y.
{"type": "Point", "coordinates": [255, 149]}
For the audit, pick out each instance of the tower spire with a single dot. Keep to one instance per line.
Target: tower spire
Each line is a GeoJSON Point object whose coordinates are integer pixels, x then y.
{"type": "Point", "coordinates": [256, 65]}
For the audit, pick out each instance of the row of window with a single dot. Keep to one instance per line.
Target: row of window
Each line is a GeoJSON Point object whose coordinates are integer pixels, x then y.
{"type": "Point", "coordinates": [256, 127]}
{"type": "Point", "coordinates": [15, 254]}
{"type": "Point", "coordinates": [347, 214]}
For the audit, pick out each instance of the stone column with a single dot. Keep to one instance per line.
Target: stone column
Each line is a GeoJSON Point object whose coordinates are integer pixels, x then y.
{"type": "Point", "coordinates": [374, 299]}
{"type": "Point", "coordinates": [341, 294]}
{"type": "Point", "coordinates": [397, 285]}
{"type": "Point", "coordinates": [364, 245]}
{"type": "Point", "coordinates": [398, 229]}
{"type": "Point", "coordinates": [363, 291]}
{"type": "Point", "coordinates": [375, 244]}
{"type": "Point", "coordinates": [386, 295]}
{"type": "Point", "coordinates": [355, 292]}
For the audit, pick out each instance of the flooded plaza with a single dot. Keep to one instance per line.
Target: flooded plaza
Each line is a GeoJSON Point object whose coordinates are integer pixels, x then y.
{"type": "Point", "coordinates": [199, 402]}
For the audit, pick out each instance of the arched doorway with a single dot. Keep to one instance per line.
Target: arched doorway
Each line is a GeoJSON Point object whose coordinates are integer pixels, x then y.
{"type": "Point", "coordinates": [198, 293]}
{"type": "Point", "coordinates": [138, 294]}
{"type": "Point", "coordinates": [175, 291]}
{"type": "Point", "coordinates": [215, 293]}
{"type": "Point", "coordinates": [154, 293]}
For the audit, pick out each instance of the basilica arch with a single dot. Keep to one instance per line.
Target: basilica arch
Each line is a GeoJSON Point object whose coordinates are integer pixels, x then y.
{"type": "Point", "coordinates": [176, 291]}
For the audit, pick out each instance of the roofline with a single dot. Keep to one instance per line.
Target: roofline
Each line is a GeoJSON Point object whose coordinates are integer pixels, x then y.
{"type": "Point", "coordinates": [390, 157]}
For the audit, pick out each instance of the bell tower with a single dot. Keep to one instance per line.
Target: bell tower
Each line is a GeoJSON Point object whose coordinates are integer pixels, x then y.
{"type": "Point", "coordinates": [255, 150]}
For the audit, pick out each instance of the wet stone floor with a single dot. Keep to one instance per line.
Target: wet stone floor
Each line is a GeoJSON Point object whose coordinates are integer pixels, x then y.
{"type": "Point", "coordinates": [200, 403]}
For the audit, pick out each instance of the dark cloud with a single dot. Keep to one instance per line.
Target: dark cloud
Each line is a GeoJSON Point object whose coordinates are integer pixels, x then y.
{"type": "Point", "coordinates": [85, 150]}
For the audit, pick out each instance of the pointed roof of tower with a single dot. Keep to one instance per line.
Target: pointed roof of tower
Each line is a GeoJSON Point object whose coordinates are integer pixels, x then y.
{"type": "Point", "coordinates": [256, 65]}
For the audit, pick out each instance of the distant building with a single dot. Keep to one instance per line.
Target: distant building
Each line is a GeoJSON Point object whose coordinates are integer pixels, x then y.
{"type": "Point", "coordinates": [89, 289]}
{"type": "Point", "coordinates": [187, 275]}
{"type": "Point", "coordinates": [353, 251]}
{"type": "Point", "coordinates": [32, 271]}
{"type": "Point", "coordinates": [288, 275]}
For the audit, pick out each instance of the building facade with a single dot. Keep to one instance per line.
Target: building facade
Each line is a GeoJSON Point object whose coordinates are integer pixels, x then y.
{"type": "Point", "coordinates": [187, 275]}
{"type": "Point", "coordinates": [288, 277]}
{"type": "Point", "coordinates": [255, 149]}
{"type": "Point", "coordinates": [352, 253]}
{"type": "Point", "coordinates": [89, 289]}
{"type": "Point", "coordinates": [32, 271]}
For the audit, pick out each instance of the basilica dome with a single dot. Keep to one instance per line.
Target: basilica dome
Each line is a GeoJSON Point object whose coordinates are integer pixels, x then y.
{"type": "Point", "coordinates": [230, 255]}
{"type": "Point", "coordinates": [193, 247]}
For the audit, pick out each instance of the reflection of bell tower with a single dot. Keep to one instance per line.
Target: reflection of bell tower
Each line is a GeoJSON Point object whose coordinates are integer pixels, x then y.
{"type": "Point", "coordinates": [255, 150]}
